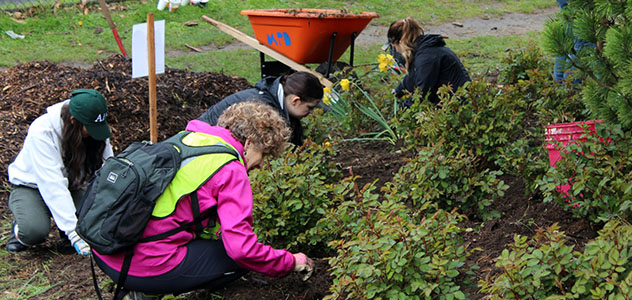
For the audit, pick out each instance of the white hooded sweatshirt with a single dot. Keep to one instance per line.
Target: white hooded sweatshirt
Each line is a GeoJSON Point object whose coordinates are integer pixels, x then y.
{"type": "Point", "coordinates": [40, 165]}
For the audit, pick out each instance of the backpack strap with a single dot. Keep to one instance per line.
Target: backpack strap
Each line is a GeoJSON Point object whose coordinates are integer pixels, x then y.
{"type": "Point", "coordinates": [94, 278]}
{"type": "Point", "coordinates": [127, 262]}
{"type": "Point", "coordinates": [187, 151]}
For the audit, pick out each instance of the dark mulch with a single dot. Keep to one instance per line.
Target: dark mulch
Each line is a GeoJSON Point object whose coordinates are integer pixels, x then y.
{"type": "Point", "coordinates": [27, 89]}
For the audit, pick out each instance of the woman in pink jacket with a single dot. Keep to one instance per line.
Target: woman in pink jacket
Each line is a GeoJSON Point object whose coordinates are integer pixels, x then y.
{"type": "Point", "coordinates": [181, 262]}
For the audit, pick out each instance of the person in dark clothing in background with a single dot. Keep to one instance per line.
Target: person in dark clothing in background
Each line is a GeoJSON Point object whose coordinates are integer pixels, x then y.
{"type": "Point", "coordinates": [295, 96]}
{"type": "Point", "coordinates": [428, 62]}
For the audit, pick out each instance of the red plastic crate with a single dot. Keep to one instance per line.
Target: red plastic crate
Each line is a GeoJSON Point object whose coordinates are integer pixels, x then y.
{"type": "Point", "coordinates": [565, 133]}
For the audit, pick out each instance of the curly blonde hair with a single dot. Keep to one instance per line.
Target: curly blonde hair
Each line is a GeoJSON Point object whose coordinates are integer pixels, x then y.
{"type": "Point", "coordinates": [257, 122]}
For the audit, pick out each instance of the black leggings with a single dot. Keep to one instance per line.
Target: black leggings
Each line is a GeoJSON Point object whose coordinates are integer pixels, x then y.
{"type": "Point", "coordinates": [206, 266]}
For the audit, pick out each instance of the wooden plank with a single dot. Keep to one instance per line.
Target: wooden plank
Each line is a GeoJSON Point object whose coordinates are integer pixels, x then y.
{"type": "Point", "coordinates": [252, 42]}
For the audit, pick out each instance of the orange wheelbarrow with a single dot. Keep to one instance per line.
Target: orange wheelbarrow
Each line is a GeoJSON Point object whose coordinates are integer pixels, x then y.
{"type": "Point", "coordinates": [301, 36]}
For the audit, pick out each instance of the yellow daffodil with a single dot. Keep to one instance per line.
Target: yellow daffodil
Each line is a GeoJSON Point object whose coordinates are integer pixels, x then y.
{"type": "Point", "coordinates": [326, 99]}
{"type": "Point", "coordinates": [383, 67]}
{"type": "Point", "coordinates": [344, 84]}
{"type": "Point", "coordinates": [381, 58]}
{"type": "Point", "coordinates": [385, 61]}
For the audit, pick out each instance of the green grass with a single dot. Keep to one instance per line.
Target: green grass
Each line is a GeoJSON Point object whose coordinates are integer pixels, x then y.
{"type": "Point", "coordinates": [483, 53]}
{"type": "Point", "coordinates": [68, 35]}
{"type": "Point", "coordinates": [478, 55]}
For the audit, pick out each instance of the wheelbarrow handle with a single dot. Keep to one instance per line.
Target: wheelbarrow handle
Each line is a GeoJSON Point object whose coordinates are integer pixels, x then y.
{"type": "Point", "coordinates": [252, 42]}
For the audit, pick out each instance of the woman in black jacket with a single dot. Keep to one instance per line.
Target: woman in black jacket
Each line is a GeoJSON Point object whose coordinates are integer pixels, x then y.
{"type": "Point", "coordinates": [294, 96]}
{"type": "Point", "coordinates": [428, 62]}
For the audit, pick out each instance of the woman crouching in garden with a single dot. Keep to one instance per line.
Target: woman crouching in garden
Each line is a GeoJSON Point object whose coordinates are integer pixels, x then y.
{"type": "Point", "coordinates": [183, 262]}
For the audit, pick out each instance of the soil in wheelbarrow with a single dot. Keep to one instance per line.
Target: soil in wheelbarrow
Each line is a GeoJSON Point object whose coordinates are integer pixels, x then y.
{"type": "Point", "coordinates": [27, 89]}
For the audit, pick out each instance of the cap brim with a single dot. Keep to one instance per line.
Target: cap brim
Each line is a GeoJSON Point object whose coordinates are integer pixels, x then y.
{"type": "Point", "coordinates": [99, 133]}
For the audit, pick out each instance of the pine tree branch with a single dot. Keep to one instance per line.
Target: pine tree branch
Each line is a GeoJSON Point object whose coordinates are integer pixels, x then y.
{"type": "Point", "coordinates": [587, 72]}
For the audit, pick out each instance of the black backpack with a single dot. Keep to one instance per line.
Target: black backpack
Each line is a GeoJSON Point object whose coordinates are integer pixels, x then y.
{"type": "Point", "coordinates": [119, 200]}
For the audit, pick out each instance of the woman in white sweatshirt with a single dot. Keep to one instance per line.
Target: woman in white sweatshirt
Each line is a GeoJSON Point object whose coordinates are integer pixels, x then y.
{"type": "Point", "coordinates": [62, 150]}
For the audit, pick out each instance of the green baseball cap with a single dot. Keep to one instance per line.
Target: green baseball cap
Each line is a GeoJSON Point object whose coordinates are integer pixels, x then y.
{"type": "Point", "coordinates": [88, 106]}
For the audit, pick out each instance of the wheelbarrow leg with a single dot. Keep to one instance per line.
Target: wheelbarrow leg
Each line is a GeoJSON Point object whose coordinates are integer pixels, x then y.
{"type": "Point", "coordinates": [262, 64]}
{"type": "Point", "coordinates": [353, 37]}
{"type": "Point", "coordinates": [273, 68]}
{"type": "Point", "coordinates": [331, 52]}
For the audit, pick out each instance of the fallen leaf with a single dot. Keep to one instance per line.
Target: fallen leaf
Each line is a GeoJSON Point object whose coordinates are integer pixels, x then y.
{"type": "Point", "coordinates": [457, 24]}
{"type": "Point", "coordinates": [190, 23]}
{"type": "Point", "coordinates": [98, 30]}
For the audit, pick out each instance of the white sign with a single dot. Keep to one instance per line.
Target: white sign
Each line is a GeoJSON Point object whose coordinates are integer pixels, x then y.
{"type": "Point", "coordinates": [140, 65]}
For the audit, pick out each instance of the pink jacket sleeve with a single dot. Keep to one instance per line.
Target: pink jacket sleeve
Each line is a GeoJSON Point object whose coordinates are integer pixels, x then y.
{"type": "Point", "coordinates": [231, 186]}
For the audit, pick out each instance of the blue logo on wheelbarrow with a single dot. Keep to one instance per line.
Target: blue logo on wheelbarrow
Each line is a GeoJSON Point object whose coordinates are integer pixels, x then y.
{"type": "Point", "coordinates": [280, 37]}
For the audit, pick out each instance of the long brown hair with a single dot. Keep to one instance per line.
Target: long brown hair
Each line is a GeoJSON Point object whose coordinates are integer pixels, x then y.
{"type": "Point", "coordinates": [82, 156]}
{"type": "Point", "coordinates": [404, 32]}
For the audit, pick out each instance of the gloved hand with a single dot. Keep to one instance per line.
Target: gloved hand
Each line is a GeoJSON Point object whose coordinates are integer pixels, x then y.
{"type": "Point", "coordinates": [80, 245]}
{"type": "Point", "coordinates": [303, 265]}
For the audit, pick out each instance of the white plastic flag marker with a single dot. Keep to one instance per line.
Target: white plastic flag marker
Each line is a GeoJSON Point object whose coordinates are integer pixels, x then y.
{"type": "Point", "coordinates": [139, 49]}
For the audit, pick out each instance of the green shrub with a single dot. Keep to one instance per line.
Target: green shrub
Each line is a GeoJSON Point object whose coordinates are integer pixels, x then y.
{"type": "Point", "coordinates": [386, 252]}
{"type": "Point", "coordinates": [292, 193]}
{"type": "Point", "coordinates": [517, 63]}
{"type": "Point", "coordinates": [549, 102]}
{"type": "Point", "coordinates": [604, 268]}
{"type": "Point", "coordinates": [479, 117]}
{"type": "Point", "coordinates": [321, 127]}
{"type": "Point", "coordinates": [600, 175]}
{"type": "Point", "coordinates": [458, 145]}
{"type": "Point", "coordinates": [544, 267]}
{"type": "Point", "coordinates": [545, 102]}
{"type": "Point", "coordinates": [451, 180]}
{"type": "Point", "coordinates": [533, 269]}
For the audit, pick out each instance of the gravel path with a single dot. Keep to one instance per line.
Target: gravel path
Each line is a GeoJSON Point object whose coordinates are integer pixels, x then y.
{"type": "Point", "coordinates": [508, 24]}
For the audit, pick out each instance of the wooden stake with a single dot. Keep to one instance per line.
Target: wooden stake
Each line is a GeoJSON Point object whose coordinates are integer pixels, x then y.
{"type": "Point", "coordinates": [151, 64]}
{"type": "Point", "coordinates": [252, 42]}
